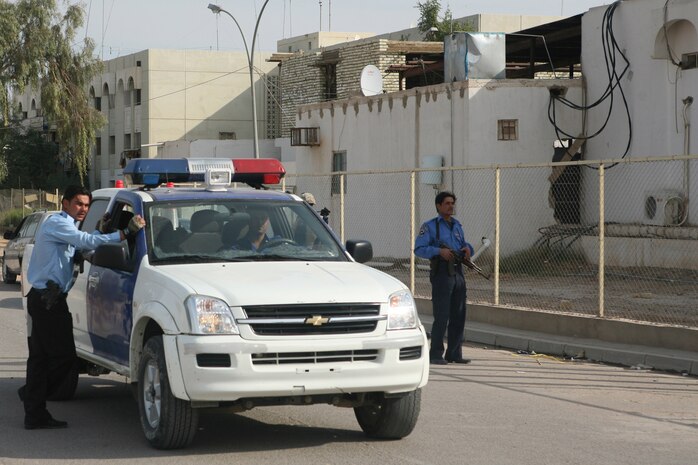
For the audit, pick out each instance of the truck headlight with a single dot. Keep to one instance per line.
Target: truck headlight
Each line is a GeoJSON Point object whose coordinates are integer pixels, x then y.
{"type": "Point", "coordinates": [402, 311]}
{"type": "Point", "coordinates": [208, 315]}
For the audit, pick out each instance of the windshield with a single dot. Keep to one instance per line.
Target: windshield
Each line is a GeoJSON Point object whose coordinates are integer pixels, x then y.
{"type": "Point", "coordinates": [237, 230]}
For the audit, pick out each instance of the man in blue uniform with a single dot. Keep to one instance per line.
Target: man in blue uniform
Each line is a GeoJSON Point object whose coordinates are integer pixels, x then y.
{"type": "Point", "coordinates": [51, 345]}
{"type": "Point", "coordinates": [442, 242]}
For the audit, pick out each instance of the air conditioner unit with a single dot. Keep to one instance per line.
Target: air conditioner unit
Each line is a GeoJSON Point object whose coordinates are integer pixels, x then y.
{"type": "Point", "coordinates": [305, 136]}
{"type": "Point", "coordinates": [664, 208]}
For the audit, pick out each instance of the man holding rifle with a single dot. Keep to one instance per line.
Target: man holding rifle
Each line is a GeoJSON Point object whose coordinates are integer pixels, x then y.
{"type": "Point", "coordinates": [442, 242]}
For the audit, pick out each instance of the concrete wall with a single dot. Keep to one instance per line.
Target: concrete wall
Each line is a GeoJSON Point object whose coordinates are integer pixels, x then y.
{"type": "Point", "coordinates": [457, 122]}
{"type": "Point", "coordinates": [210, 148]}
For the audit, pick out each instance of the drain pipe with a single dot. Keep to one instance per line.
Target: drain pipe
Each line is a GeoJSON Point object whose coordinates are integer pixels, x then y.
{"type": "Point", "coordinates": [686, 151]}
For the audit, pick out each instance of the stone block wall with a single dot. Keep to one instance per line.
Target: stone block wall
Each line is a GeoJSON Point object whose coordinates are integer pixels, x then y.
{"type": "Point", "coordinates": [303, 82]}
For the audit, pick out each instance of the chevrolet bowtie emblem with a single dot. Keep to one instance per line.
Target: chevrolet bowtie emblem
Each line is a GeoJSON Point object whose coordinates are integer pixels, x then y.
{"type": "Point", "coordinates": [316, 320]}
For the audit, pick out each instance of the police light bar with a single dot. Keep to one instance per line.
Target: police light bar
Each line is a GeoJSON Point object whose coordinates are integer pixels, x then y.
{"type": "Point", "coordinates": [215, 172]}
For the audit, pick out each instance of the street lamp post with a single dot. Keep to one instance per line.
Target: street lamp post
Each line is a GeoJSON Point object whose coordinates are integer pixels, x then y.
{"type": "Point", "coordinates": [250, 61]}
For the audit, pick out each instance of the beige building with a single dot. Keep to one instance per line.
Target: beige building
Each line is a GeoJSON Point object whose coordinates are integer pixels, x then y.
{"type": "Point", "coordinates": [154, 96]}
{"type": "Point", "coordinates": [479, 22]}
{"type": "Point", "coordinates": [316, 40]}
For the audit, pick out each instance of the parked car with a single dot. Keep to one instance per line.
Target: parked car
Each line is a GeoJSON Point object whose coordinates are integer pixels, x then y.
{"type": "Point", "coordinates": [18, 239]}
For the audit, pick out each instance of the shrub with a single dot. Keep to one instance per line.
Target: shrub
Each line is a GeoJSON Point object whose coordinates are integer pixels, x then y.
{"type": "Point", "coordinates": [10, 219]}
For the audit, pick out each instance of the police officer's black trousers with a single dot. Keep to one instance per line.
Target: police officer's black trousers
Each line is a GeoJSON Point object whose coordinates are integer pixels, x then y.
{"type": "Point", "coordinates": [448, 301]}
{"type": "Point", "coordinates": [51, 354]}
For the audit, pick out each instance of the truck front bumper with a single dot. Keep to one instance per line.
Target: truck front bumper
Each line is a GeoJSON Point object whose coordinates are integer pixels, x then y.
{"type": "Point", "coordinates": [229, 368]}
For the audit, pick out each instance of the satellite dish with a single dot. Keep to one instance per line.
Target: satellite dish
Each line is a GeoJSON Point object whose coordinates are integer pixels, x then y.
{"type": "Point", "coordinates": [371, 81]}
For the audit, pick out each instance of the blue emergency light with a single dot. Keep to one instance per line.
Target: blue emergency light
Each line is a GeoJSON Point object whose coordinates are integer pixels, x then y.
{"type": "Point", "coordinates": [215, 172]}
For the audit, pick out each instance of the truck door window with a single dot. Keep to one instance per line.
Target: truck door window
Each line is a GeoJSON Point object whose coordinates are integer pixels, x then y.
{"type": "Point", "coordinates": [94, 214]}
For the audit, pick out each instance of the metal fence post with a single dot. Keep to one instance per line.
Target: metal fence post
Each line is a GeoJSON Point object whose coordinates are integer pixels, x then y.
{"type": "Point", "coordinates": [341, 206]}
{"type": "Point", "coordinates": [412, 230]}
{"type": "Point", "coordinates": [602, 231]}
{"type": "Point", "coordinates": [497, 232]}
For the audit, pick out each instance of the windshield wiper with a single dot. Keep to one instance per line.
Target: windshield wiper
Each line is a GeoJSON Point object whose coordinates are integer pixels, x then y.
{"type": "Point", "coordinates": [190, 259]}
{"type": "Point", "coordinates": [271, 257]}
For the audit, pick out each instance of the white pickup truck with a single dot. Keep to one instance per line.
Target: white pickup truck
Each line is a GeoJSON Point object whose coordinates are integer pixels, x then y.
{"type": "Point", "coordinates": [242, 297]}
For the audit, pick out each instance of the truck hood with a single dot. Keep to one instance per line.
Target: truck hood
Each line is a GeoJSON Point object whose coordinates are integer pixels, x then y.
{"type": "Point", "coordinates": [269, 283]}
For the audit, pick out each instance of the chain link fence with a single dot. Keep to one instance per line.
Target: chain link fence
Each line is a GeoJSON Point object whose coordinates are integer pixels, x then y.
{"type": "Point", "coordinates": [16, 203]}
{"type": "Point", "coordinates": [613, 239]}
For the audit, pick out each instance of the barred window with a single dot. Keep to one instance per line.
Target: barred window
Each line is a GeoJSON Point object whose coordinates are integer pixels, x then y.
{"type": "Point", "coordinates": [507, 129]}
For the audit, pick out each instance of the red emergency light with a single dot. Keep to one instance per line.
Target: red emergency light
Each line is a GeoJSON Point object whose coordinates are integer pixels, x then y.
{"type": "Point", "coordinates": [255, 171]}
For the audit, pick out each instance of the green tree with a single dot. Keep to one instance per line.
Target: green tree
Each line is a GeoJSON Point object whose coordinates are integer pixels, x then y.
{"type": "Point", "coordinates": [38, 48]}
{"type": "Point", "coordinates": [32, 160]}
{"type": "Point", "coordinates": [429, 18]}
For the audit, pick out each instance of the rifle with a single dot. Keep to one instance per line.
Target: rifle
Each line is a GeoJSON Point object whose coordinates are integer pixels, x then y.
{"type": "Point", "coordinates": [467, 262]}
{"type": "Point", "coordinates": [470, 262]}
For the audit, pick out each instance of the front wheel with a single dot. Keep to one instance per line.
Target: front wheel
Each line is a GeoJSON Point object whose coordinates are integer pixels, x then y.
{"type": "Point", "coordinates": [390, 417]}
{"type": "Point", "coordinates": [168, 422]}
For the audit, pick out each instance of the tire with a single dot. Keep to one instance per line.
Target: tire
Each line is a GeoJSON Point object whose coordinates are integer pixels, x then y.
{"type": "Point", "coordinates": [167, 422]}
{"type": "Point", "coordinates": [66, 391]}
{"type": "Point", "coordinates": [7, 277]}
{"type": "Point", "coordinates": [391, 417]}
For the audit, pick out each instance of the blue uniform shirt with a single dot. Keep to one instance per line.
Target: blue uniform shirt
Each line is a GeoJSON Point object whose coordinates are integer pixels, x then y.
{"type": "Point", "coordinates": [426, 245]}
{"type": "Point", "coordinates": [54, 248]}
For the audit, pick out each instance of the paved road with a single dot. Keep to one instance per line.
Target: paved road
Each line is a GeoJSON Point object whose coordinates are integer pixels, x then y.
{"type": "Point", "coordinates": [503, 409]}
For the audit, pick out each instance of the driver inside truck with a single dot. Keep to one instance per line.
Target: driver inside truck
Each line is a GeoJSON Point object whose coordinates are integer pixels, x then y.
{"type": "Point", "coordinates": [256, 236]}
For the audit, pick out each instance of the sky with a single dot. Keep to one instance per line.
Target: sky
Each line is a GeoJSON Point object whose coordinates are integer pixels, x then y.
{"type": "Point", "coordinates": [122, 27]}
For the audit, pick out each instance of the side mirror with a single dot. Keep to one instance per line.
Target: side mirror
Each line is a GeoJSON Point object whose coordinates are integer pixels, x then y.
{"type": "Point", "coordinates": [8, 235]}
{"type": "Point", "coordinates": [361, 251]}
{"type": "Point", "coordinates": [114, 256]}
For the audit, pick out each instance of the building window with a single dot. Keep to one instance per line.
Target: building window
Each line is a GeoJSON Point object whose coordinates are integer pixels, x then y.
{"type": "Point", "coordinates": [339, 163]}
{"type": "Point", "coordinates": [310, 45]}
{"type": "Point", "coordinates": [112, 145]}
{"type": "Point", "coordinates": [507, 129]}
{"type": "Point", "coordinates": [330, 78]}
{"type": "Point", "coordinates": [98, 146]}
{"type": "Point", "coordinates": [227, 136]}
{"type": "Point", "coordinates": [98, 103]}
{"type": "Point", "coordinates": [138, 97]}
{"type": "Point", "coordinates": [127, 141]}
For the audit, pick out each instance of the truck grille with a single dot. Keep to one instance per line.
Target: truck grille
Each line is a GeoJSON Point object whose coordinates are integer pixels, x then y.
{"type": "Point", "coordinates": [314, 357]}
{"type": "Point", "coordinates": [300, 320]}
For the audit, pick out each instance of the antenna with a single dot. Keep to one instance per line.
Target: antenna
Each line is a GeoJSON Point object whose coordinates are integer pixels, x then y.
{"type": "Point", "coordinates": [371, 81]}
{"type": "Point", "coordinates": [320, 2]}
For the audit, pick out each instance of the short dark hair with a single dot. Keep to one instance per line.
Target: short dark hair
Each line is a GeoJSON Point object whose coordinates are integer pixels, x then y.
{"type": "Point", "coordinates": [72, 191]}
{"type": "Point", "coordinates": [441, 196]}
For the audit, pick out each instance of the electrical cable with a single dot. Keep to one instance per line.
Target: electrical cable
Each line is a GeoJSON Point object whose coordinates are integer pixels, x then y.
{"type": "Point", "coordinates": [610, 48]}
{"type": "Point", "coordinates": [666, 36]}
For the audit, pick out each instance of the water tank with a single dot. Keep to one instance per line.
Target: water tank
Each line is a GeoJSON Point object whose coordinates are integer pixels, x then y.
{"type": "Point", "coordinates": [474, 55]}
{"type": "Point", "coordinates": [432, 178]}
